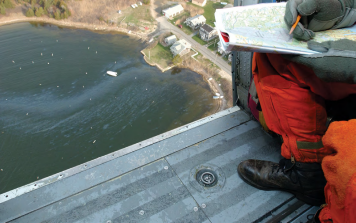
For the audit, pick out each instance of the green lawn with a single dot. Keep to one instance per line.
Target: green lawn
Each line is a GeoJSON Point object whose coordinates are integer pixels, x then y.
{"type": "Point", "coordinates": [160, 55]}
{"type": "Point", "coordinates": [186, 29]}
{"type": "Point", "coordinates": [213, 47]}
{"type": "Point", "coordinates": [137, 15]}
{"type": "Point", "coordinates": [197, 38]}
{"type": "Point", "coordinates": [209, 10]}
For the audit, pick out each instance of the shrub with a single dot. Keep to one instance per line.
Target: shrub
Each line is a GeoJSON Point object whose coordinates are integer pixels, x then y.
{"type": "Point", "coordinates": [146, 2]}
{"type": "Point", "coordinates": [7, 3]}
{"type": "Point", "coordinates": [57, 14]}
{"type": "Point", "coordinates": [2, 10]}
{"type": "Point", "coordinates": [177, 60]}
{"type": "Point", "coordinates": [39, 12]}
{"type": "Point", "coordinates": [30, 12]}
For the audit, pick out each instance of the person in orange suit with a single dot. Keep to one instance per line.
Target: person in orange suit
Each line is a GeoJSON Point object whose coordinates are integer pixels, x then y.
{"type": "Point", "coordinates": [292, 91]}
{"type": "Point", "coordinates": [340, 173]}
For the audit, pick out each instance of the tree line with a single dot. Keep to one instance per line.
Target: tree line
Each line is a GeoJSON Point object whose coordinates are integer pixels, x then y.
{"type": "Point", "coordinates": [56, 9]}
{"type": "Point", "coordinates": [4, 4]}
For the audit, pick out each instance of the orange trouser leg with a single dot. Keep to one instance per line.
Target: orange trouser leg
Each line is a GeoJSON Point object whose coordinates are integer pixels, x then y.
{"type": "Point", "coordinates": [340, 173]}
{"type": "Point", "coordinates": [292, 111]}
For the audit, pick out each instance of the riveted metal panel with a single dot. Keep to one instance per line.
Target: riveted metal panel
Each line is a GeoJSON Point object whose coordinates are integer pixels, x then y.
{"type": "Point", "coordinates": [236, 201]}
{"type": "Point", "coordinates": [151, 193]}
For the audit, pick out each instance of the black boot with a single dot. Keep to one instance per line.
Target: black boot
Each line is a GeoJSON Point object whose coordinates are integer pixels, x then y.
{"type": "Point", "coordinates": [305, 180]}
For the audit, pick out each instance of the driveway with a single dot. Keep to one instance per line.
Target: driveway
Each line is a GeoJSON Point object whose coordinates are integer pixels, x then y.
{"type": "Point", "coordinates": [167, 26]}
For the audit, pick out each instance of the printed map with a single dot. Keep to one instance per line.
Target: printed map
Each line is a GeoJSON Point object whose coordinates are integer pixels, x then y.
{"type": "Point", "coordinates": [261, 28]}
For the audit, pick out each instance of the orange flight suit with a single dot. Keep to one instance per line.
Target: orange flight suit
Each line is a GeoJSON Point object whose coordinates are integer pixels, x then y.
{"type": "Point", "coordinates": [340, 173]}
{"type": "Point", "coordinates": [292, 102]}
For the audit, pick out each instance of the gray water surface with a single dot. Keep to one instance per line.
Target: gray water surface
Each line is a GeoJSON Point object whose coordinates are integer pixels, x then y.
{"type": "Point", "coordinates": [52, 108]}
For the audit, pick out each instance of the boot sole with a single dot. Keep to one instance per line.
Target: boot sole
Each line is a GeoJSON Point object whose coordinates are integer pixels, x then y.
{"type": "Point", "coordinates": [300, 196]}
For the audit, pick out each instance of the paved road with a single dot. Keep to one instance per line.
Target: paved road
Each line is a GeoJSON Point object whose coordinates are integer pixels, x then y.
{"type": "Point", "coordinates": [165, 25]}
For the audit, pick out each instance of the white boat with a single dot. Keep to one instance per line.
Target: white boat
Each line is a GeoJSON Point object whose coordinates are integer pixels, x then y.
{"type": "Point", "coordinates": [112, 73]}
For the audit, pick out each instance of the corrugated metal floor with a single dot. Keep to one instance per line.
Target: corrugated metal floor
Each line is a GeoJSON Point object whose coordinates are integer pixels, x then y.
{"type": "Point", "coordinates": [154, 181]}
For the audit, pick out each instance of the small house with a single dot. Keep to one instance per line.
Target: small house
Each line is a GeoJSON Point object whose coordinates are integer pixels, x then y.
{"type": "Point", "coordinates": [207, 32]}
{"type": "Point", "coordinates": [170, 39]}
{"type": "Point", "coordinates": [196, 21]}
{"type": "Point", "coordinates": [139, 3]}
{"type": "Point", "coordinates": [173, 11]}
{"type": "Point", "coordinates": [199, 2]}
{"type": "Point", "coordinates": [181, 47]}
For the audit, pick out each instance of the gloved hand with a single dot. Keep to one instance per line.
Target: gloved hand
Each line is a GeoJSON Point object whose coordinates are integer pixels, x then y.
{"type": "Point", "coordinates": [336, 61]}
{"type": "Point", "coordinates": [318, 15]}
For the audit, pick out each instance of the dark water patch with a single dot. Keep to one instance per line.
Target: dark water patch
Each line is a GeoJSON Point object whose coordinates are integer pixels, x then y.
{"type": "Point", "coordinates": [56, 99]}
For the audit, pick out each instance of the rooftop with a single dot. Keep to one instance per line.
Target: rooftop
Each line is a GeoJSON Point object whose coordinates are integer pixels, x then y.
{"type": "Point", "coordinates": [196, 19]}
{"type": "Point", "coordinates": [173, 9]}
{"type": "Point", "coordinates": [199, 1]}
{"type": "Point", "coordinates": [207, 28]}
{"type": "Point", "coordinates": [171, 37]}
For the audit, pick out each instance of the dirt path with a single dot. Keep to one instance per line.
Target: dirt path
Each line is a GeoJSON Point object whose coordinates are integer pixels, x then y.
{"type": "Point", "coordinates": [152, 9]}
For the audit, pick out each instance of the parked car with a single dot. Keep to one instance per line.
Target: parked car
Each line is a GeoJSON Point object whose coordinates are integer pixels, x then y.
{"type": "Point", "coordinates": [180, 26]}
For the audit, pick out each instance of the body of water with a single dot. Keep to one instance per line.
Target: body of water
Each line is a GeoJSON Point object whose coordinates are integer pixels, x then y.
{"type": "Point", "coordinates": [56, 99]}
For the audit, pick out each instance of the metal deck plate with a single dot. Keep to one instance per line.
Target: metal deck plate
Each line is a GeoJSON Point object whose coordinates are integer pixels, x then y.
{"type": "Point", "coordinates": [152, 193]}
{"type": "Point", "coordinates": [236, 201]}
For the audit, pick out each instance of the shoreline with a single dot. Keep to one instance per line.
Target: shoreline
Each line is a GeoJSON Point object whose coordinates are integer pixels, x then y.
{"type": "Point", "coordinates": [155, 65]}
{"type": "Point", "coordinates": [68, 24]}
{"type": "Point", "coordinates": [213, 85]}
{"type": "Point", "coordinates": [221, 104]}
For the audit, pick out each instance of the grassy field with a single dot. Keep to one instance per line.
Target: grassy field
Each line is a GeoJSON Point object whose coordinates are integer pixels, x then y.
{"type": "Point", "coordinates": [186, 29]}
{"type": "Point", "coordinates": [214, 47]}
{"type": "Point", "coordinates": [197, 38]}
{"type": "Point", "coordinates": [159, 55]}
{"type": "Point", "coordinates": [209, 10]}
{"type": "Point", "coordinates": [139, 16]}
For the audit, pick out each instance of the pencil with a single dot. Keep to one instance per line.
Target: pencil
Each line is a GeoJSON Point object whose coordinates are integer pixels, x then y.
{"type": "Point", "coordinates": [295, 24]}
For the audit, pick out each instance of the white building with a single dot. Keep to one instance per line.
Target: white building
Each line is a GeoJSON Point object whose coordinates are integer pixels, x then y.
{"type": "Point", "coordinates": [173, 11]}
{"type": "Point", "coordinates": [199, 2]}
{"type": "Point", "coordinates": [207, 32]}
{"type": "Point", "coordinates": [196, 21]}
{"type": "Point", "coordinates": [170, 40]}
{"type": "Point", "coordinates": [180, 47]}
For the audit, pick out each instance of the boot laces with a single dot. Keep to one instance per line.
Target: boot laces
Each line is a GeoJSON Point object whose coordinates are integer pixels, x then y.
{"type": "Point", "coordinates": [282, 166]}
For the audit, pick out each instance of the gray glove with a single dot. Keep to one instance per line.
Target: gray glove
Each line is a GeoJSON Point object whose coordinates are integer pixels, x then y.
{"type": "Point", "coordinates": [318, 15]}
{"type": "Point", "coordinates": [336, 61]}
